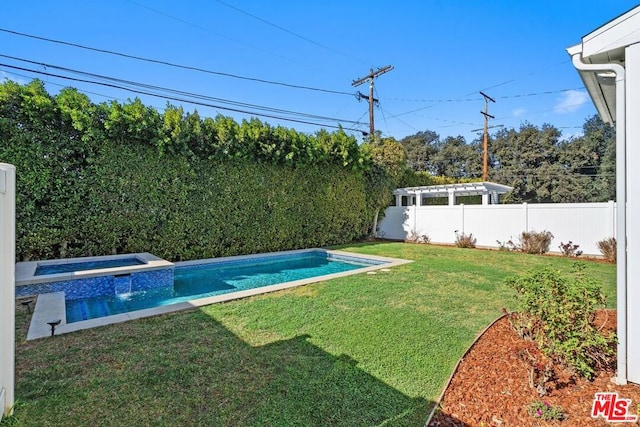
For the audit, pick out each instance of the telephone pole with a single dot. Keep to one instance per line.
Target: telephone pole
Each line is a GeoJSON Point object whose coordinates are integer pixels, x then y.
{"type": "Point", "coordinates": [369, 77]}
{"type": "Point", "coordinates": [487, 116]}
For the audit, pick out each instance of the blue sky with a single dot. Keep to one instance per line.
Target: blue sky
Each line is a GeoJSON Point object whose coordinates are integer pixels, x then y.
{"type": "Point", "coordinates": [443, 53]}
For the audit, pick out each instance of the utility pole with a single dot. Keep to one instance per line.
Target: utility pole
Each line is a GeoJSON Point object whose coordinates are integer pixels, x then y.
{"type": "Point", "coordinates": [369, 77]}
{"type": "Point", "coordinates": [487, 116]}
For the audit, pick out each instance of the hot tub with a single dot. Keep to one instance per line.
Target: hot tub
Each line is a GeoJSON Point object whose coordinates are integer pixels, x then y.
{"type": "Point", "coordinates": [93, 276]}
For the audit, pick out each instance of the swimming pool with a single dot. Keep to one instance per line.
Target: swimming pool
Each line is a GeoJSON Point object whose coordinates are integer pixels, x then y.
{"type": "Point", "coordinates": [216, 278]}
{"type": "Point", "coordinates": [114, 297]}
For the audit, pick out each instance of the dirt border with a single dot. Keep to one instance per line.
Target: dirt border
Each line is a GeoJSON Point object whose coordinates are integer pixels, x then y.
{"type": "Point", "coordinates": [455, 369]}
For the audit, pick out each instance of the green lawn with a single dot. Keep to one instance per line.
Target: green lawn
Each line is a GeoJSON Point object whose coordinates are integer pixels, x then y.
{"type": "Point", "coordinates": [356, 351]}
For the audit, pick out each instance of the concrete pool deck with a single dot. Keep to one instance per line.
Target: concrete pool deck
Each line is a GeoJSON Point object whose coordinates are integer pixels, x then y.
{"type": "Point", "coordinates": [51, 307]}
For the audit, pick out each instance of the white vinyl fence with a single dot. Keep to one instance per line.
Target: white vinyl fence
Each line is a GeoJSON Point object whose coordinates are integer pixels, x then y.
{"type": "Point", "coordinates": [584, 224]}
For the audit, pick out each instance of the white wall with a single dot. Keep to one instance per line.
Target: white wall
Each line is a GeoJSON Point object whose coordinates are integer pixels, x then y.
{"type": "Point", "coordinates": [582, 223]}
{"type": "Point", "coordinates": [7, 286]}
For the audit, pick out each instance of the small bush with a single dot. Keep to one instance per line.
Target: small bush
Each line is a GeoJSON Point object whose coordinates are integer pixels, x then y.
{"type": "Point", "coordinates": [569, 249]}
{"type": "Point", "coordinates": [532, 242]}
{"type": "Point", "coordinates": [504, 246]}
{"type": "Point", "coordinates": [465, 240]}
{"type": "Point", "coordinates": [558, 312]}
{"type": "Point", "coordinates": [546, 411]}
{"type": "Point", "coordinates": [609, 248]}
{"type": "Point", "coordinates": [415, 237]}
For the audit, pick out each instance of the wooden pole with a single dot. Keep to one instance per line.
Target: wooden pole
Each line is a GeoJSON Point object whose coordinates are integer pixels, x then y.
{"type": "Point", "coordinates": [485, 141]}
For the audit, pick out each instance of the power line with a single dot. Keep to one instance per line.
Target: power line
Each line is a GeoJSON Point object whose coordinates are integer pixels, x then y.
{"type": "Point", "coordinates": [178, 99]}
{"type": "Point", "coordinates": [174, 91]}
{"type": "Point", "coordinates": [288, 31]}
{"type": "Point", "coordinates": [394, 117]}
{"type": "Point", "coordinates": [548, 92]}
{"type": "Point", "coordinates": [172, 64]}
{"type": "Point", "coordinates": [576, 105]}
{"type": "Point", "coordinates": [281, 83]}
{"type": "Point", "coordinates": [465, 97]}
{"type": "Point", "coordinates": [63, 86]}
{"type": "Point", "coordinates": [520, 77]}
{"type": "Point", "coordinates": [166, 15]}
{"type": "Point", "coordinates": [523, 95]}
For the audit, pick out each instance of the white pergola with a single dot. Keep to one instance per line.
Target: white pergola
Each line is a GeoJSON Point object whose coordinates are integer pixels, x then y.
{"type": "Point", "coordinates": [414, 196]}
{"type": "Point", "coordinates": [608, 60]}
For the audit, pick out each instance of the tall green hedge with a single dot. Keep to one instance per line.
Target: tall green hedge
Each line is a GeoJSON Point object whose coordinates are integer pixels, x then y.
{"type": "Point", "coordinates": [121, 178]}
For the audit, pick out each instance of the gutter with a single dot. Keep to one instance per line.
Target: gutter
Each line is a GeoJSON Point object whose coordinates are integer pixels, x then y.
{"type": "Point", "coordinates": [621, 196]}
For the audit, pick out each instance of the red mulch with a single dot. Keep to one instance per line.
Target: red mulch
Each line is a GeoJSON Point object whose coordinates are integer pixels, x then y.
{"type": "Point", "coordinates": [491, 385]}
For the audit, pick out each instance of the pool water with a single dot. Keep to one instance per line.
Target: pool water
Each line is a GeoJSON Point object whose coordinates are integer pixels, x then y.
{"type": "Point", "coordinates": [86, 265]}
{"type": "Point", "coordinates": [205, 280]}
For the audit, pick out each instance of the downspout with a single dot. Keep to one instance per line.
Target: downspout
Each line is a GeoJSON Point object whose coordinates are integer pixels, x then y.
{"type": "Point", "coordinates": [621, 199]}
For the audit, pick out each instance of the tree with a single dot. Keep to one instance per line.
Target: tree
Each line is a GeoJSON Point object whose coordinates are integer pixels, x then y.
{"type": "Point", "coordinates": [456, 159]}
{"type": "Point", "coordinates": [601, 138]}
{"type": "Point", "coordinates": [388, 163]}
{"type": "Point", "coordinates": [420, 148]}
{"type": "Point", "coordinates": [527, 160]}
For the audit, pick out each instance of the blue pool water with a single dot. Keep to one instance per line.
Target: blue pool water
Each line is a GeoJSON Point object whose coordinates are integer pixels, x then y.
{"type": "Point", "coordinates": [205, 280]}
{"type": "Point", "coordinates": [86, 265]}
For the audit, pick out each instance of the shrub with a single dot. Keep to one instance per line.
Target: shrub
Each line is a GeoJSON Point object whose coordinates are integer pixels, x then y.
{"type": "Point", "coordinates": [569, 249]}
{"type": "Point", "coordinates": [546, 411]}
{"type": "Point", "coordinates": [609, 248]}
{"type": "Point", "coordinates": [558, 312]}
{"type": "Point", "coordinates": [504, 246]}
{"type": "Point", "coordinates": [117, 178]}
{"type": "Point", "coordinates": [415, 237]}
{"type": "Point", "coordinates": [465, 240]}
{"type": "Point", "coordinates": [532, 242]}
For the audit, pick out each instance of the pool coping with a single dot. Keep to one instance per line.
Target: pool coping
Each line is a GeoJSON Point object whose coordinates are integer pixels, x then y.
{"type": "Point", "coordinates": [25, 271]}
{"type": "Point", "coordinates": [51, 307]}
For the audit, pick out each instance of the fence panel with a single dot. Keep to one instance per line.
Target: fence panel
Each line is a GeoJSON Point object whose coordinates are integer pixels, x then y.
{"type": "Point", "coordinates": [491, 224]}
{"type": "Point", "coordinates": [439, 222]}
{"type": "Point", "coordinates": [582, 223]}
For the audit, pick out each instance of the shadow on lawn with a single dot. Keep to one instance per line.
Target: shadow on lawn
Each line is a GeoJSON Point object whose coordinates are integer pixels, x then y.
{"type": "Point", "coordinates": [188, 369]}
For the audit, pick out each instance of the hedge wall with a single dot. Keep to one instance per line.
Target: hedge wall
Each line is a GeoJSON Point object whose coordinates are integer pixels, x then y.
{"type": "Point", "coordinates": [101, 179]}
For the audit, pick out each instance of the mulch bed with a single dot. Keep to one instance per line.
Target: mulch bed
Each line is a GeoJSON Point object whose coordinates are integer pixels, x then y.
{"type": "Point", "coordinates": [491, 386]}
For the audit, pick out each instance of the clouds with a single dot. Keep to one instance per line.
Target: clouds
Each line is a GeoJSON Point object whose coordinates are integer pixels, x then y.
{"type": "Point", "coordinates": [518, 112]}
{"type": "Point", "coordinates": [571, 101]}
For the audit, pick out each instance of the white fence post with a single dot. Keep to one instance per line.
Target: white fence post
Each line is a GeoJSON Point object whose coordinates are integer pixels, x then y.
{"type": "Point", "coordinates": [7, 286]}
{"type": "Point", "coordinates": [612, 218]}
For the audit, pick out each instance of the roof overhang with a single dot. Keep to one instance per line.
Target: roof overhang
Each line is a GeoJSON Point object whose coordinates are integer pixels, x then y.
{"type": "Point", "coordinates": [464, 189]}
{"type": "Point", "coordinates": [606, 45]}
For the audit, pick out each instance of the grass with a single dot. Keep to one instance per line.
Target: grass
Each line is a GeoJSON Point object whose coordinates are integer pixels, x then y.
{"type": "Point", "coordinates": [356, 351]}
